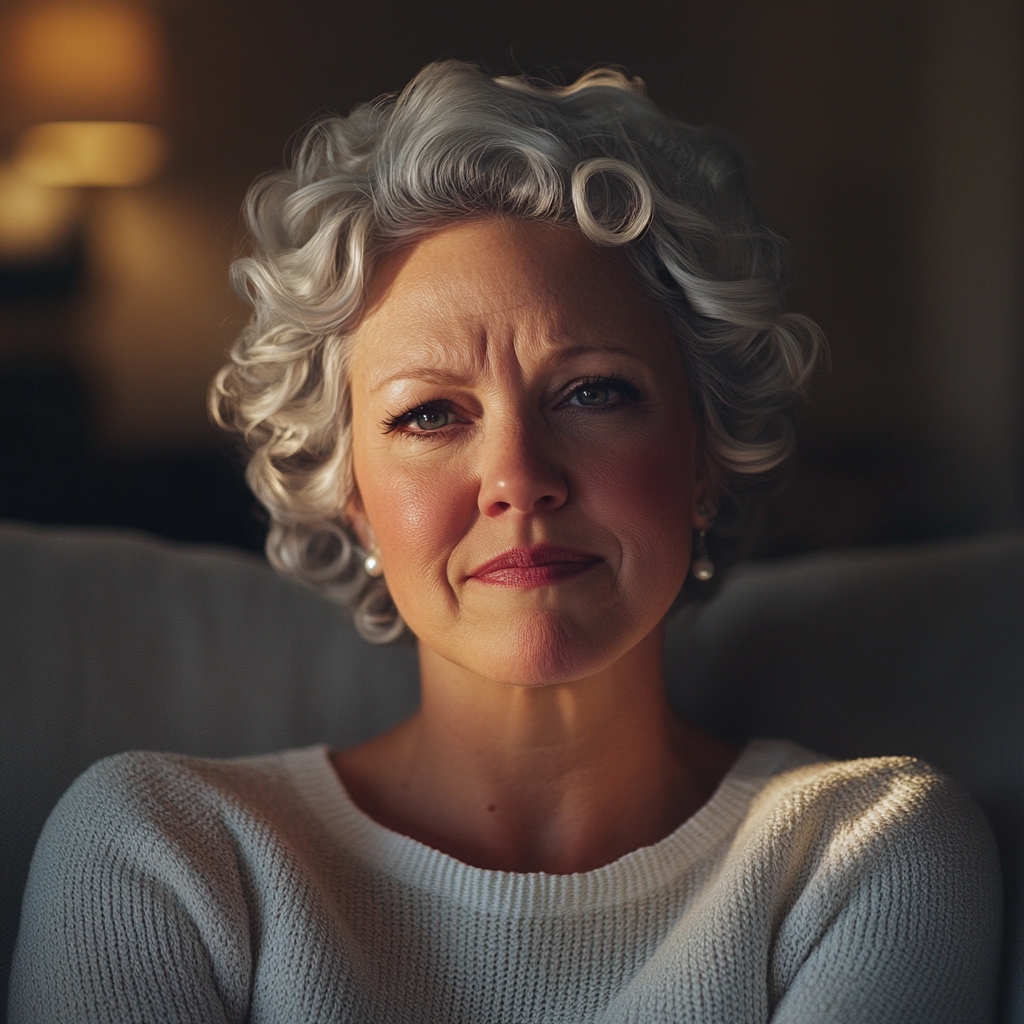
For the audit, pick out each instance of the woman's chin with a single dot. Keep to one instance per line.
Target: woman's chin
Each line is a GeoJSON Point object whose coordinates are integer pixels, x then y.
{"type": "Point", "coordinates": [545, 650]}
{"type": "Point", "coordinates": [539, 637]}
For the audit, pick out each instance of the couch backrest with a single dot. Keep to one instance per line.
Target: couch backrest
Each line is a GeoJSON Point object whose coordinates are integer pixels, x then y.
{"type": "Point", "coordinates": [111, 641]}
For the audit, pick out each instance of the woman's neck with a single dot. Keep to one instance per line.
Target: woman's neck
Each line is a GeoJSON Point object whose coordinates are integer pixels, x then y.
{"type": "Point", "coordinates": [558, 778]}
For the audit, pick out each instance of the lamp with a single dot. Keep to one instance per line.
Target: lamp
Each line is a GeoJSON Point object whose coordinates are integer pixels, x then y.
{"type": "Point", "coordinates": [34, 220]}
{"type": "Point", "coordinates": [90, 153]}
{"type": "Point", "coordinates": [84, 80]}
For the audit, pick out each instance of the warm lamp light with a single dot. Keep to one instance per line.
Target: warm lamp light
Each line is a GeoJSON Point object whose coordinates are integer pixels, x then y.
{"type": "Point", "coordinates": [34, 220]}
{"type": "Point", "coordinates": [86, 76]}
{"type": "Point", "coordinates": [90, 153]}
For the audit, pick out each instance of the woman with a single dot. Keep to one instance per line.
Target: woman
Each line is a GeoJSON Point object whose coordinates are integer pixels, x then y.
{"type": "Point", "coordinates": [513, 348]}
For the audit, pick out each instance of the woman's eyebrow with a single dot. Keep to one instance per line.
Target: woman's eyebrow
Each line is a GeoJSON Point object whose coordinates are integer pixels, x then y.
{"type": "Point", "coordinates": [571, 351]}
{"type": "Point", "coordinates": [446, 376]}
{"type": "Point", "coordinates": [564, 354]}
{"type": "Point", "coordinates": [428, 374]}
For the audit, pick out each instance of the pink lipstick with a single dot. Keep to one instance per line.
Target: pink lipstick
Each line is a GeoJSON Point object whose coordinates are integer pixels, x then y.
{"type": "Point", "coordinates": [536, 566]}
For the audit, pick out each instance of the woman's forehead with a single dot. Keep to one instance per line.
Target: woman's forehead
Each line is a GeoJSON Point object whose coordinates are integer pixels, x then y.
{"type": "Point", "coordinates": [458, 292]}
{"type": "Point", "coordinates": [506, 255]}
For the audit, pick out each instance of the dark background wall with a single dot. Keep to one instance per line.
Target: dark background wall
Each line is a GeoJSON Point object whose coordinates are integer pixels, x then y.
{"type": "Point", "coordinates": [886, 142]}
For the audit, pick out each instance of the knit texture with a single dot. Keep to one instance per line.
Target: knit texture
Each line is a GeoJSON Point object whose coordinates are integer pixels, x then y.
{"type": "Point", "coordinates": [173, 889]}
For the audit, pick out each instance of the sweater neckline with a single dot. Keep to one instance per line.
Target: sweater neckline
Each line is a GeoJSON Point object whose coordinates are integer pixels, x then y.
{"type": "Point", "coordinates": [630, 877]}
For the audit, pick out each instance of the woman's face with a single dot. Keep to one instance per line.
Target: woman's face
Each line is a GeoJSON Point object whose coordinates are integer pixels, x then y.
{"type": "Point", "coordinates": [523, 448]}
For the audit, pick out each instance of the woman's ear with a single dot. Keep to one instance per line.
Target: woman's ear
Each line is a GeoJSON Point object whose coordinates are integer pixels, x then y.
{"type": "Point", "coordinates": [357, 520]}
{"type": "Point", "coordinates": [705, 501]}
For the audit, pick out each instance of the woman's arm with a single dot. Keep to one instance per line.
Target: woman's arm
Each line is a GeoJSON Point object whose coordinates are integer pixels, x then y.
{"type": "Point", "coordinates": [910, 930]}
{"type": "Point", "coordinates": [133, 910]}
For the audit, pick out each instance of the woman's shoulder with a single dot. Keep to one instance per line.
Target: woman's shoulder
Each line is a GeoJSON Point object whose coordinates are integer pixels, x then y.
{"type": "Point", "coordinates": [894, 807]}
{"type": "Point", "coordinates": [880, 860]}
{"type": "Point", "coordinates": [133, 773]}
{"type": "Point", "coordinates": [174, 794]}
{"type": "Point", "coordinates": [784, 775]}
{"type": "Point", "coordinates": [158, 863]}
{"type": "Point", "coordinates": [789, 771]}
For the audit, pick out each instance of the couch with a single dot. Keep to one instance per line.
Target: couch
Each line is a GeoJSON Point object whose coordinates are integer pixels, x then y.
{"type": "Point", "coordinates": [111, 640]}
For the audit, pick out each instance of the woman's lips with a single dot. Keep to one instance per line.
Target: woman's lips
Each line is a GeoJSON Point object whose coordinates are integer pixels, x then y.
{"type": "Point", "coordinates": [534, 566]}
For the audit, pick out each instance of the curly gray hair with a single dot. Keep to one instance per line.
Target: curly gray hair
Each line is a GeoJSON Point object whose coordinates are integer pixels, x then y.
{"type": "Point", "coordinates": [457, 143]}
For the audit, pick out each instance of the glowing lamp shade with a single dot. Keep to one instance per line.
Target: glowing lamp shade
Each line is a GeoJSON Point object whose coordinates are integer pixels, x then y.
{"type": "Point", "coordinates": [87, 76]}
{"type": "Point", "coordinates": [90, 153]}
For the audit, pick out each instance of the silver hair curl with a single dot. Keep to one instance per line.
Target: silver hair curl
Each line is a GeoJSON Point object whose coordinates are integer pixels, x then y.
{"type": "Point", "coordinates": [457, 144]}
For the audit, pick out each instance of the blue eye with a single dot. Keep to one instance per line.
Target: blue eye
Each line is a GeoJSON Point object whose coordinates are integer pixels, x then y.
{"type": "Point", "coordinates": [593, 394]}
{"type": "Point", "coordinates": [424, 419]}
{"type": "Point", "coordinates": [602, 393]}
{"type": "Point", "coordinates": [430, 418]}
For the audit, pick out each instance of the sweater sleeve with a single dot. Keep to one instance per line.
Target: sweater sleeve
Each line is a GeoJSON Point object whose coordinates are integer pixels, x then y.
{"type": "Point", "coordinates": [909, 921]}
{"type": "Point", "coordinates": [134, 909]}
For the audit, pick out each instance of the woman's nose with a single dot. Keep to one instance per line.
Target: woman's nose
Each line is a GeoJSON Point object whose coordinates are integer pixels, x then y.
{"type": "Point", "coordinates": [520, 472]}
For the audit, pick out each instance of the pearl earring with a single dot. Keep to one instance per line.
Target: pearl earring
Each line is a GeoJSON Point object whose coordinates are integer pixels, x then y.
{"type": "Point", "coordinates": [703, 568]}
{"type": "Point", "coordinates": [371, 564]}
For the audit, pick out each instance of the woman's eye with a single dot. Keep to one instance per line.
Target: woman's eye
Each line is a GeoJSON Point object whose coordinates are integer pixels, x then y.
{"type": "Point", "coordinates": [593, 394]}
{"type": "Point", "coordinates": [601, 394]}
{"type": "Point", "coordinates": [430, 418]}
{"type": "Point", "coordinates": [424, 419]}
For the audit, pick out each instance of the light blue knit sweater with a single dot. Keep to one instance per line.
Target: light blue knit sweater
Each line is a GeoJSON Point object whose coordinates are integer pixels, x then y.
{"type": "Point", "coordinates": [168, 888]}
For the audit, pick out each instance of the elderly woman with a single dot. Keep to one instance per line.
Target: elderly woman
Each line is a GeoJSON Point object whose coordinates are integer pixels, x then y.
{"type": "Point", "coordinates": [513, 349]}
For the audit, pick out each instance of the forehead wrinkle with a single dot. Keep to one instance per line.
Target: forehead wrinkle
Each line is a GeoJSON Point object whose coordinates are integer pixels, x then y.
{"type": "Point", "coordinates": [438, 361]}
{"type": "Point", "coordinates": [449, 347]}
{"type": "Point", "coordinates": [433, 361]}
{"type": "Point", "coordinates": [457, 332]}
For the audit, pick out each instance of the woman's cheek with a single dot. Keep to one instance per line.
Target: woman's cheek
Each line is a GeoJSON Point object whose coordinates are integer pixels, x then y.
{"type": "Point", "coordinates": [648, 501]}
{"type": "Point", "coordinates": [419, 516]}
